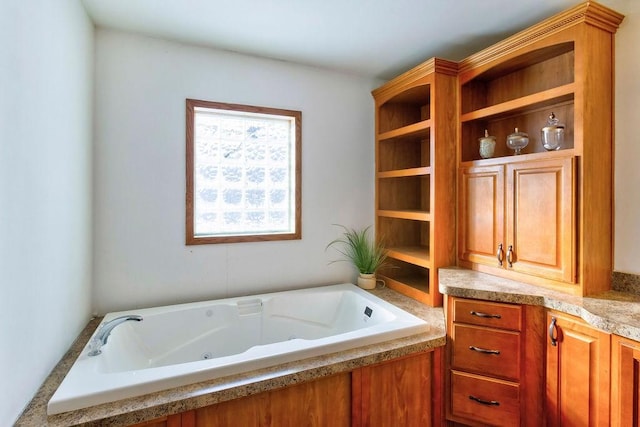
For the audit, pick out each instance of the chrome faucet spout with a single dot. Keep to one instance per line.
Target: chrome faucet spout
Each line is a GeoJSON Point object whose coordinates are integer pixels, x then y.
{"type": "Point", "coordinates": [101, 337]}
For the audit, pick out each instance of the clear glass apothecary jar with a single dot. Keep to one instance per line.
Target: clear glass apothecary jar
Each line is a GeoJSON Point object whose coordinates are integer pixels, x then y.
{"type": "Point", "coordinates": [552, 135]}
{"type": "Point", "coordinates": [517, 141]}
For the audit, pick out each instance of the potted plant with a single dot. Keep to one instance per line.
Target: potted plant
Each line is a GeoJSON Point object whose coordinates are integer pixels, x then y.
{"type": "Point", "coordinates": [365, 254]}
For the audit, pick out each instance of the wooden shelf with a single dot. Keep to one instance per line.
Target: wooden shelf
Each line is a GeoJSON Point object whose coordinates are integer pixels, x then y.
{"type": "Point", "coordinates": [414, 139]}
{"type": "Point", "coordinates": [416, 287]}
{"type": "Point", "coordinates": [526, 103]}
{"type": "Point", "coordinates": [414, 215]}
{"type": "Point", "coordinates": [416, 129]}
{"type": "Point", "coordinates": [417, 255]}
{"type": "Point", "coordinates": [402, 173]}
{"type": "Point", "coordinates": [521, 158]}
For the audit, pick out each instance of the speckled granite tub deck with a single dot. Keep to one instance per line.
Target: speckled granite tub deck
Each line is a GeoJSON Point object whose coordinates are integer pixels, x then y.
{"type": "Point", "coordinates": [180, 399]}
{"type": "Point", "coordinates": [613, 311]}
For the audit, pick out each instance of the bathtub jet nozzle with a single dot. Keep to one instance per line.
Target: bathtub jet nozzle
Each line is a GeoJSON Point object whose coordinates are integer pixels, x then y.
{"type": "Point", "coordinates": [101, 337]}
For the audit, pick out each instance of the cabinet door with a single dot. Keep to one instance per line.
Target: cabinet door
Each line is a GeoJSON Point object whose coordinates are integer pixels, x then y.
{"type": "Point", "coordinates": [541, 219]}
{"type": "Point", "coordinates": [323, 402]}
{"type": "Point", "coordinates": [577, 387]}
{"type": "Point", "coordinates": [394, 393]}
{"type": "Point", "coordinates": [625, 382]}
{"type": "Point", "coordinates": [168, 421]}
{"type": "Point", "coordinates": [481, 213]}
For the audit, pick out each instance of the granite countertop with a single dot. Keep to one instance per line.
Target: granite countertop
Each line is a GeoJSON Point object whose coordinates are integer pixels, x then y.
{"type": "Point", "coordinates": [180, 399]}
{"type": "Point", "coordinates": [616, 312]}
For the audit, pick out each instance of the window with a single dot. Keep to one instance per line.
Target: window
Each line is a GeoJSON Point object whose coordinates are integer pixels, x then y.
{"type": "Point", "coordinates": [243, 173]}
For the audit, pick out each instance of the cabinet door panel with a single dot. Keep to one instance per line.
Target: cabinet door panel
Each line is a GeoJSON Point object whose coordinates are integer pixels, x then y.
{"type": "Point", "coordinates": [481, 204]}
{"type": "Point", "coordinates": [322, 402]}
{"type": "Point", "coordinates": [397, 392]}
{"type": "Point", "coordinates": [540, 218]}
{"type": "Point", "coordinates": [577, 374]}
{"type": "Point", "coordinates": [625, 382]}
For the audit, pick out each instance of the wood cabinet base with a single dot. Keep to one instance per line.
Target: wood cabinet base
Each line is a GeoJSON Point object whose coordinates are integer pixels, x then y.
{"type": "Point", "coordinates": [394, 392]}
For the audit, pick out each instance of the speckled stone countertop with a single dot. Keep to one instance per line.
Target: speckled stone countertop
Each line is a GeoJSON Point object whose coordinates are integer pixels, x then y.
{"type": "Point", "coordinates": [180, 399]}
{"type": "Point", "coordinates": [613, 311]}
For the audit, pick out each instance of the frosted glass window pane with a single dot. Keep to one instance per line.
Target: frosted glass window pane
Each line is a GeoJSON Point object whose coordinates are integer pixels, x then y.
{"type": "Point", "coordinates": [244, 173]}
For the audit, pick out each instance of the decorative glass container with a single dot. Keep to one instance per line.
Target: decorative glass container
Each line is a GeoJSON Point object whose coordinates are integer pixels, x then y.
{"type": "Point", "coordinates": [487, 145]}
{"type": "Point", "coordinates": [517, 141]}
{"type": "Point", "coordinates": [552, 134]}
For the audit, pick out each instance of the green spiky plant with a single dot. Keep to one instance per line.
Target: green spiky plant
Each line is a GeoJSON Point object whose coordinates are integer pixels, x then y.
{"type": "Point", "coordinates": [367, 255]}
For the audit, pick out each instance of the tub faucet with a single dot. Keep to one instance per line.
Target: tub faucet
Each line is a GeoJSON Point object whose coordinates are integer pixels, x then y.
{"type": "Point", "coordinates": [101, 337]}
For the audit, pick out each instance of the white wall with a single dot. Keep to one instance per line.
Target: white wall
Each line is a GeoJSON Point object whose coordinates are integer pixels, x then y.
{"type": "Point", "coordinates": [140, 258]}
{"type": "Point", "coordinates": [46, 69]}
{"type": "Point", "coordinates": [627, 174]}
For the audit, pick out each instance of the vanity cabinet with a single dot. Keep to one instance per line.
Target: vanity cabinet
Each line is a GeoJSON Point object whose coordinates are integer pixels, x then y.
{"type": "Point", "coordinates": [495, 369]}
{"type": "Point", "coordinates": [625, 382]}
{"type": "Point", "coordinates": [519, 217]}
{"type": "Point", "coordinates": [577, 373]}
{"type": "Point", "coordinates": [415, 177]}
{"type": "Point", "coordinates": [550, 210]}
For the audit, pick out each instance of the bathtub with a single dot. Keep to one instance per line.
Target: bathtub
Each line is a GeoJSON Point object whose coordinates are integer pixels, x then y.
{"type": "Point", "coordinates": [188, 343]}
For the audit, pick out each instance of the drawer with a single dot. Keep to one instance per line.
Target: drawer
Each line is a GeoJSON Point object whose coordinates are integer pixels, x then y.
{"type": "Point", "coordinates": [486, 351]}
{"type": "Point", "coordinates": [485, 400]}
{"type": "Point", "coordinates": [485, 313]}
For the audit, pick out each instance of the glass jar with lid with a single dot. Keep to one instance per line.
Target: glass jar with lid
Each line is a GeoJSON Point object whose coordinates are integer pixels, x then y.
{"type": "Point", "coordinates": [487, 145]}
{"type": "Point", "coordinates": [517, 141]}
{"type": "Point", "coordinates": [552, 135]}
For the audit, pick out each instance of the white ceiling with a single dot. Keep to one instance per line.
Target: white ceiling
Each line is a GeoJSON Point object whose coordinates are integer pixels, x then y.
{"type": "Point", "coordinates": [378, 38]}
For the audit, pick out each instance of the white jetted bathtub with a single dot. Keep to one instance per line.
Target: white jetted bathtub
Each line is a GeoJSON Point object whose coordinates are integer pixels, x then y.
{"type": "Point", "coordinates": [183, 344]}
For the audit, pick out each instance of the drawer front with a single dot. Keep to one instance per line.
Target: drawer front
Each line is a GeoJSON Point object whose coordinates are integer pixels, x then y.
{"type": "Point", "coordinates": [486, 400]}
{"type": "Point", "coordinates": [485, 313]}
{"type": "Point", "coordinates": [486, 351]}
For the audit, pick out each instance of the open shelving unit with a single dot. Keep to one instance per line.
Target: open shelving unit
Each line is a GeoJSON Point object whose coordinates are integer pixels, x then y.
{"type": "Point", "coordinates": [415, 166]}
{"type": "Point", "coordinates": [519, 93]}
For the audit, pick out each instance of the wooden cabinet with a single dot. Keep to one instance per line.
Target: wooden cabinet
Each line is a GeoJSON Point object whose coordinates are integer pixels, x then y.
{"type": "Point", "coordinates": [555, 212]}
{"type": "Point", "coordinates": [495, 363]}
{"type": "Point", "coordinates": [415, 176]}
{"type": "Point", "coordinates": [326, 401]}
{"type": "Point", "coordinates": [625, 382]}
{"type": "Point", "coordinates": [398, 392]}
{"type": "Point", "coordinates": [404, 391]}
{"type": "Point", "coordinates": [178, 420]}
{"type": "Point", "coordinates": [577, 365]}
{"type": "Point", "coordinates": [520, 217]}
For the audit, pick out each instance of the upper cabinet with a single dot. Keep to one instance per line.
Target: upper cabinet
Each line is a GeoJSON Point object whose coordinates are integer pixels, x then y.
{"type": "Point", "coordinates": [542, 217]}
{"type": "Point", "coordinates": [415, 176]}
{"type": "Point", "coordinates": [519, 217]}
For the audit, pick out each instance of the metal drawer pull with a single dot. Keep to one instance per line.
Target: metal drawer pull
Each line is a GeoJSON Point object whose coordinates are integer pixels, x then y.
{"type": "Point", "coordinates": [483, 350]}
{"type": "Point", "coordinates": [500, 255]}
{"type": "Point", "coordinates": [484, 402]}
{"type": "Point", "coordinates": [485, 315]}
{"type": "Point", "coordinates": [553, 336]}
{"type": "Point", "coordinates": [510, 256]}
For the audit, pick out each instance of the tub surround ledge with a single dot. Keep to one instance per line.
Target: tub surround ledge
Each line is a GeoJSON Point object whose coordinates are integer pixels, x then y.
{"type": "Point", "coordinates": [613, 311]}
{"type": "Point", "coordinates": [193, 396]}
